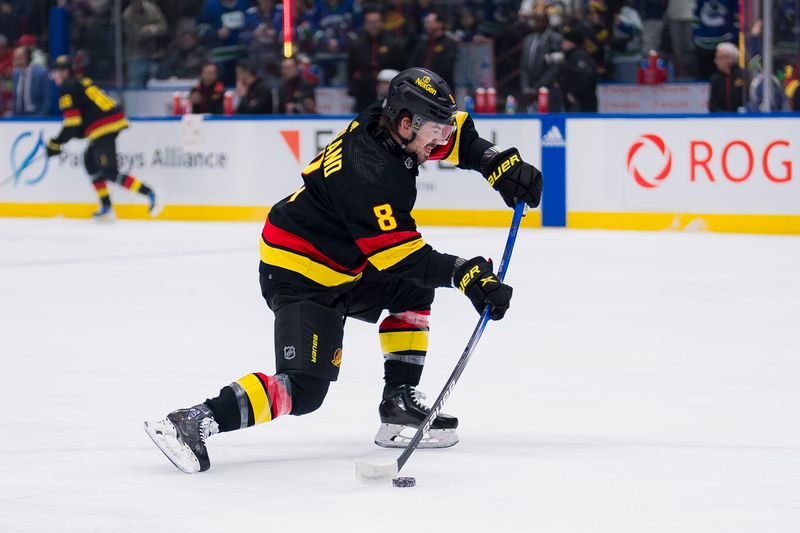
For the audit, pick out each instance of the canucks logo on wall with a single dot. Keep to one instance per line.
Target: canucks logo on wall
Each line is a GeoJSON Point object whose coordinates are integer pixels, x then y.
{"type": "Point", "coordinates": [28, 158]}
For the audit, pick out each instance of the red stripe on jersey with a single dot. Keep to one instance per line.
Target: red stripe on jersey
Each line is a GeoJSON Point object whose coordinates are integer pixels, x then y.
{"type": "Point", "coordinates": [393, 323]}
{"type": "Point", "coordinates": [72, 113]}
{"type": "Point", "coordinates": [128, 182]}
{"type": "Point", "coordinates": [280, 401]}
{"type": "Point", "coordinates": [103, 122]}
{"type": "Point", "coordinates": [280, 237]}
{"type": "Point", "coordinates": [98, 185]}
{"type": "Point", "coordinates": [441, 152]}
{"type": "Point", "coordinates": [370, 245]}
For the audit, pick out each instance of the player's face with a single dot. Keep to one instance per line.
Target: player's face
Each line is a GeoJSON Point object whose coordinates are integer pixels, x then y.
{"type": "Point", "coordinates": [59, 76]}
{"type": "Point", "coordinates": [429, 135]}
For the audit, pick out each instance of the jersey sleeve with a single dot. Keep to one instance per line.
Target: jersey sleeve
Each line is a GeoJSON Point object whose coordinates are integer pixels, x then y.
{"type": "Point", "coordinates": [466, 147]}
{"type": "Point", "coordinates": [379, 220]}
{"type": "Point", "coordinates": [72, 122]}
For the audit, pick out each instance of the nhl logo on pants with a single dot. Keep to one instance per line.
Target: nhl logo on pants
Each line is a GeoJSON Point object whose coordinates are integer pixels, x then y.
{"type": "Point", "coordinates": [288, 353]}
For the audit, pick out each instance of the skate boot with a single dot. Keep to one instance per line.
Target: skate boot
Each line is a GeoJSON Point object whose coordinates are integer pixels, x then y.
{"type": "Point", "coordinates": [105, 213]}
{"type": "Point", "coordinates": [182, 437]}
{"type": "Point", "coordinates": [402, 412]}
{"type": "Point", "coordinates": [154, 204]}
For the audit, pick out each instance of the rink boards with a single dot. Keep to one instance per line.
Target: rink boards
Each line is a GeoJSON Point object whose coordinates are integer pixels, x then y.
{"type": "Point", "coordinates": [734, 173]}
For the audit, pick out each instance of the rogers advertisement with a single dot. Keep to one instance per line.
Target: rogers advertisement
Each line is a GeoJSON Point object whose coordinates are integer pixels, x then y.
{"type": "Point", "coordinates": [704, 166]}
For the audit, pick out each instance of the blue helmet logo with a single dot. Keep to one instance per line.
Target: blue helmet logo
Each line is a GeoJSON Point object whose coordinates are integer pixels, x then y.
{"type": "Point", "coordinates": [23, 153]}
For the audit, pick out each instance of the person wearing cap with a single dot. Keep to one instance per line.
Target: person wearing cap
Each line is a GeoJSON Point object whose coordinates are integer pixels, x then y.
{"type": "Point", "coordinates": [374, 51]}
{"type": "Point", "coordinates": [385, 77]}
{"type": "Point", "coordinates": [38, 57]}
{"type": "Point", "coordinates": [577, 75]}
{"type": "Point", "coordinates": [89, 113]}
{"type": "Point", "coordinates": [345, 246]}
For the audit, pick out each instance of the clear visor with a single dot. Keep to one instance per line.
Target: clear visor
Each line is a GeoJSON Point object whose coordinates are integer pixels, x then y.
{"type": "Point", "coordinates": [430, 131]}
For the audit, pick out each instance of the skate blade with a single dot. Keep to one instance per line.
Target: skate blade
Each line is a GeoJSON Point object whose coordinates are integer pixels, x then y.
{"type": "Point", "coordinates": [109, 217]}
{"type": "Point", "coordinates": [158, 206]}
{"type": "Point", "coordinates": [165, 436]}
{"type": "Point", "coordinates": [398, 436]}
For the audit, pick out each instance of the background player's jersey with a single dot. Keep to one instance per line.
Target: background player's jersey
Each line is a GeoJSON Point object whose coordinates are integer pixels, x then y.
{"type": "Point", "coordinates": [355, 209]}
{"type": "Point", "coordinates": [88, 111]}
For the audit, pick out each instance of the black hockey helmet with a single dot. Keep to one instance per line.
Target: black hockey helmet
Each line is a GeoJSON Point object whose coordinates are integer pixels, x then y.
{"type": "Point", "coordinates": [62, 62]}
{"type": "Point", "coordinates": [420, 92]}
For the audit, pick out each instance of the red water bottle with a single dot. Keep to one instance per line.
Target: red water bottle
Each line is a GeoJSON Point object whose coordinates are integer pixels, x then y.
{"type": "Point", "coordinates": [543, 100]}
{"type": "Point", "coordinates": [177, 108]}
{"type": "Point", "coordinates": [227, 103]}
{"type": "Point", "coordinates": [491, 100]}
{"type": "Point", "coordinates": [480, 100]}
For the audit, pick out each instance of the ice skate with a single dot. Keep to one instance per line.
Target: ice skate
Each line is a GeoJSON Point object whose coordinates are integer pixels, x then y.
{"type": "Point", "coordinates": [182, 437]}
{"type": "Point", "coordinates": [155, 204]}
{"type": "Point", "coordinates": [402, 412]}
{"type": "Point", "coordinates": [105, 213]}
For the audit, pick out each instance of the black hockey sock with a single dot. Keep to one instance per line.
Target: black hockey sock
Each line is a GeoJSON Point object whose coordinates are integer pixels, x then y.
{"type": "Point", "coordinates": [133, 185]}
{"type": "Point", "coordinates": [253, 399]}
{"type": "Point", "coordinates": [101, 188]}
{"type": "Point", "coordinates": [404, 341]}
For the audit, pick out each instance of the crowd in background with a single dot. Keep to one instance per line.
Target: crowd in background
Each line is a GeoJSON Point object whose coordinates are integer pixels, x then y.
{"type": "Point", "coordinates": [566, 46]}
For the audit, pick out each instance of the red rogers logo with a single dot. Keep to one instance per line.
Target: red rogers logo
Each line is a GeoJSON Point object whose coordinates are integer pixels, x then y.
{"type": "Point", "coordinates": [658, 142]}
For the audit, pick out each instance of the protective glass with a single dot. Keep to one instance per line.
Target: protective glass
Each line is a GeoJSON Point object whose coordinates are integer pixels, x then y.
{"type": "Point", "coordinates": [431, 131]}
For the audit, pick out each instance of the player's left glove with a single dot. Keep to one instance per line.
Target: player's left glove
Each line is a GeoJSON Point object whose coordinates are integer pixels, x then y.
{"type": "Point", "coordinates": [53, 148]}
{"type": "Point", "coordinates": [477, 281]}
{"type": "Point", "coordinates": [513, 178]}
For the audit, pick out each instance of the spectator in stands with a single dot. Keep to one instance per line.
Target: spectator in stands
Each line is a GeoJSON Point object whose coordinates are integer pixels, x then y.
{"type": "Point", "coordinates": [717, 21]}
{"type": "Point", "coordinates": [38, 57]}
{"type": "Point", "coordinates": [334, 25]}
{"type": "Point", "coordinates": [261, 38]}
{"type": "Point", "coordinates": [727, 83]}
{"type": "Point", "coordinates": [384, 79]}
{"type": "Point", "coordinates": [541, 54]}
{"type": "Point", "coordinates": [467, 30]}
{"type": "Point", "coordinates": [652, 13]}
{"type": "Point", "coordinates": [295, 92]}
{"type": "Point", "coordinates": [142, 25]}
{"type": "Point", "coordinates": [9, 24]}
{"type": "Point", "coordinates": [6, 58]}
{"type": "Point", "coordinates": [435, 50]}
{"type": "Point", "coordinates": [219, 24]}
{"type": "Point", "coordinates": [207, 94]}
{"type": "Point", "coordinates": [598, 32]}
{"type": "Point", "coordinates": [577, 75]}
{"type": "Point", "coordinates": [92, 34]}
{"type": "Point", "coordinates": [186, 57]}
{"type": "Point", "coordinates": [680, 19]}
{"type": "Point", "coordinates": [374, 51]}
{"type": "Point", "coordinates": [625, 48]}
{"type": "Point", "coordinates": [255, 96]}
{"type": "Point", "coordinates": [31, 85]}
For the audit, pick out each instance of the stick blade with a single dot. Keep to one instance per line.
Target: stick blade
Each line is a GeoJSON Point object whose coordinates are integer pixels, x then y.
{"type": "Point", "coordinates": [376, 473]}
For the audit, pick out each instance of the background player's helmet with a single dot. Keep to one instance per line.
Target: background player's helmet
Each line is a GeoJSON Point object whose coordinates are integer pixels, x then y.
{"type": "Point", "coordinates": [62, 62]}
{"type": "Point", "coordinates": [420, 92]}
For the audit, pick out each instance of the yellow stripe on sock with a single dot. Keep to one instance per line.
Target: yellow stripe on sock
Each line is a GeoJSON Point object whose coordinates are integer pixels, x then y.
{"type": "Point", "coordinates": [400, 341]}
{"type": "Point", "coordinates": [135, 185]}
{"type": "Point", "coordinates": [257, 396]}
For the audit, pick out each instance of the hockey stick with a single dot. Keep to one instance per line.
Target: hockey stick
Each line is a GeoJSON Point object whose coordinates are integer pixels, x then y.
{"type": "Point", "coordinates": [17, 172]}
{"type": "Point", "coordinates": [372, 473]}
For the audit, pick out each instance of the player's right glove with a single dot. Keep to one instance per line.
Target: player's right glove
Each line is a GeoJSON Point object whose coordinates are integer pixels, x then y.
{"type": "Point", "coordinates": [53, 148]}
{"type": "Point", "coordinates": [512, 177]}
{"type": "Point", "coordinates": [477, 281]}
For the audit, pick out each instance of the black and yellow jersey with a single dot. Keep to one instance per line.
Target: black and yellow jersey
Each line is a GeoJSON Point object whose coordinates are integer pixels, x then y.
{"type": "Point", "coordinates": [88, 111]}
{"type": "Point", "coordinates": [354, 209]}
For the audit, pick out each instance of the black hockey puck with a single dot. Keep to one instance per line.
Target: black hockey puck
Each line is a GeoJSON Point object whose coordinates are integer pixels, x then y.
{"type": "Point", "coordinates": [404, 482]}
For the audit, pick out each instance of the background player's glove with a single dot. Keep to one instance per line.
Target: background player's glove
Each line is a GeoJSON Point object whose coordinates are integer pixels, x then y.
{"type": "Point", "coordinates": [513, 178]}
{"type": "Point", "coordinates": [476, 279]}
{"type": "Point", "coordinates": [53, 148]}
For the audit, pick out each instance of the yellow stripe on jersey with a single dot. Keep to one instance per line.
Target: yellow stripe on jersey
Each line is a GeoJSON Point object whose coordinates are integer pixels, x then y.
{"type": "Point", "coordinates": [73, 121]}
{"type": "Point", "coordinates": [392, 256]}
{"type": "Point", "coordinates": [112, 127]}
{"type": "Point", "coordinates": [401, 341]}
{"type": "Point", "coordinates": [65, 102]}
{"type": "Point", "coordinates": [304, 266]}
{"type": "Point", "coordinates": [452, 158]}
{"type": "Point", "coordinates": [257, 396]}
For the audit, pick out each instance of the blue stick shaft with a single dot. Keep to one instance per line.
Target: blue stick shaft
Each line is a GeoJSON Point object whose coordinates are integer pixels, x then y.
{"type": "Point", "coordinates": [436, 408]}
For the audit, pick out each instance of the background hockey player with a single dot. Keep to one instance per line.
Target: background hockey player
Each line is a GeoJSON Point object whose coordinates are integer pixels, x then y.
{"type": "Point", "coordinates": [346, 245]}
{"type": "Point", "coordinates": [90, 113]}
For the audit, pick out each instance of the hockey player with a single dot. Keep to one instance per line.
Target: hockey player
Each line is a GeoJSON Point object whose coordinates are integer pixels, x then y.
{"type": "Point", "coordinates": [345, 245]}
{"type": "Point", "coordinates": [90, 113]}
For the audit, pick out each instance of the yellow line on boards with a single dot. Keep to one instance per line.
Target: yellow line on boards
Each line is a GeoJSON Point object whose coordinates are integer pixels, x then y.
{"type": "Point", "coordinates": [771, 224]}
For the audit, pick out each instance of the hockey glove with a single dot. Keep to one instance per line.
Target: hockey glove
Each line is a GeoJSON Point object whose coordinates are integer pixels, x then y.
{"type": "Point", "coordinates": [513, 178]}
{"type": "Point", "coordinates": [53, 148]}
{"type": "Point", "coordinates": [477, 281]}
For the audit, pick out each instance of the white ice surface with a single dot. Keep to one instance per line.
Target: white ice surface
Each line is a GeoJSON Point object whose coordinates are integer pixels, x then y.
{"type": "Point", "coordinates": [642, 382]}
